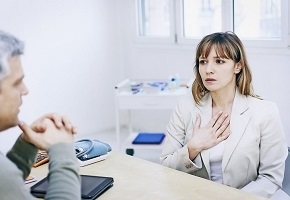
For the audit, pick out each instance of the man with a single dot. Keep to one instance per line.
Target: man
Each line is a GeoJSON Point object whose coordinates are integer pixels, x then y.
{"type": "Point", "coordinates": [52, 132]}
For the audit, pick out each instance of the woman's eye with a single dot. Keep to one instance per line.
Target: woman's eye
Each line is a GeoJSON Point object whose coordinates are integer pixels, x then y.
{"type": "Point", "coordinates": [202, 62]}
{"type": "Point", "coordinates": [219, 61]}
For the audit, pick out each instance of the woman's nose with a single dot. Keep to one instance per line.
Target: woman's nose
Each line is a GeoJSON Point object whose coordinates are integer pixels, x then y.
{"type": "Point", "coordinates": [209, 67]}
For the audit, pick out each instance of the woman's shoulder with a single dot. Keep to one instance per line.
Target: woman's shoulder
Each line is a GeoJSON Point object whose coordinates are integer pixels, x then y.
{"type": "Point", "coordinates": [185, 104]}
{"type": "Point", "coordinates": [262, 104]}
{"type": "Point", "coordinates": [187, 101]}
{"type": "Point", "coordinates": [260, 101]}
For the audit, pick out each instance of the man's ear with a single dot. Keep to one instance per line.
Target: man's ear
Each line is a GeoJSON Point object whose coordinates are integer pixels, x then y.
{"type": "Point", "coordinates": [238, 67]}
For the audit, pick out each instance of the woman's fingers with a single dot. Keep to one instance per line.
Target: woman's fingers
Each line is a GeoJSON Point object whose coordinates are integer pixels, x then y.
{"type": "Point", "coordinates": [197, 123]}
{"type": "Point", "coordinates": [220, 121]}
{"type": "Point", "coordinates": [214, 119]}
{"type": "Point", "coordinates": [219, 124]}
{"type": "Point", "coordinates": [213, 133]}
{"type": "Point", "coordinates": [223, 137]}
{"type": "Point", "coordinates": [220, 131]}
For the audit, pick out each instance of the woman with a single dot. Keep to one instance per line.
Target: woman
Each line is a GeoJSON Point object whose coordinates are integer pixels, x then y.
{"type": "Point", "coordinates": [226, 133]}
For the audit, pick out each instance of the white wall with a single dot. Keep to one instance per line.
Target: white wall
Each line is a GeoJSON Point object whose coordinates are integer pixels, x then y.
{"type": "Point", "coordinates": [71, 60]}
{"type": "Point", "coordinates": [270, 68]}
{"type": "Point", "coordinates": [76, 51]}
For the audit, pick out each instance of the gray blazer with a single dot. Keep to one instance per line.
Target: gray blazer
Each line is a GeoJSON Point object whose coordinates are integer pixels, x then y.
{"type": "Point", "coordinates": [254, 154]}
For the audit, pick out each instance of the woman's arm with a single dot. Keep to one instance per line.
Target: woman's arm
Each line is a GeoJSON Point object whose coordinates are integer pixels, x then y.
{"type": "Point", "coordinates": [175, 152]}
{"type": "Point", "coordinates": [273, 153]}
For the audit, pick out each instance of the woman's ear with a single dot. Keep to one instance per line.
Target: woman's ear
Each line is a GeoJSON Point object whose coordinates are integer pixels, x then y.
{"type": "Point", "coordinates": [238, 67]}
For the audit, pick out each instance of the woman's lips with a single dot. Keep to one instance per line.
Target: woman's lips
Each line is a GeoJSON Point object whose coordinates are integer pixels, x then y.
{"type": "Point", "coordinates": [210, 79]}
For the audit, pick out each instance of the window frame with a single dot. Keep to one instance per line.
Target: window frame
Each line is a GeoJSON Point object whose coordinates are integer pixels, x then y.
{"type": "Point", "coordinates": [176, 35]}
{"type": "Point", "coordinates": [155, 39]}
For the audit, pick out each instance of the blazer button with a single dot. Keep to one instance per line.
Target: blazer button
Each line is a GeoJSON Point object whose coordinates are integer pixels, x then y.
{"type": "Point", "coordinates": [189, 166]}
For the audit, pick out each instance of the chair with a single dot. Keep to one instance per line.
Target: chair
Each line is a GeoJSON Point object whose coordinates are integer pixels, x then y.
{"type": "Point", "coordinates": [286, 181]}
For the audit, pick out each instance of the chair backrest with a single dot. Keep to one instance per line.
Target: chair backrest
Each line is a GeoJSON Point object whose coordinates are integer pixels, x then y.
{"type": "Point", "coordinates": [286, 181]}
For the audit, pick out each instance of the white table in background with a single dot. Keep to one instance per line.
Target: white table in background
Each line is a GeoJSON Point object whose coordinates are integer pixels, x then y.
{"type": "Point", "coordinates": [146, 100]}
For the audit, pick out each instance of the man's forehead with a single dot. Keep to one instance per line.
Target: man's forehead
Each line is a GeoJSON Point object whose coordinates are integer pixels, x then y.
{"type": "Point", "coordinates": [16, 71]}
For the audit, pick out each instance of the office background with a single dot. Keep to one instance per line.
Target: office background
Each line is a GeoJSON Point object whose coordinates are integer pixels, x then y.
{"type": "Point", "coordinates": [76, 51]}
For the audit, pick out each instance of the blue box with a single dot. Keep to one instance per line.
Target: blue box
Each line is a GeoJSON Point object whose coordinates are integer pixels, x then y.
{"type": "Point", "coordinates": [149, 138]}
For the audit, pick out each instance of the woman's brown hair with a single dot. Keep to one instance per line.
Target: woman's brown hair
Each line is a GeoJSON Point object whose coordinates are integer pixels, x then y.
{"type": "Point", "coordinates": [227, 45]}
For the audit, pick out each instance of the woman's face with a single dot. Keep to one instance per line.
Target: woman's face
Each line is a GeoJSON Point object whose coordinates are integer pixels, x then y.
{"type": "Point", "coordinates": [218, 74]}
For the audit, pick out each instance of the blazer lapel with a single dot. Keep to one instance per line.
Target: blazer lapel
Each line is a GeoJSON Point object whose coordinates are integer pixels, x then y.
{"type": "Point", "coordinates": [240, 118]}
{"type": "Point", "coordinates": [205, 112]}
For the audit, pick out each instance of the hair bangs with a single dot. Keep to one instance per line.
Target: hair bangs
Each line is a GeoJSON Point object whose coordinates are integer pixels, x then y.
{"type": "Point", "coordinates": [222, 51]}
{"type": "Point", "coordinates": [205, 50]}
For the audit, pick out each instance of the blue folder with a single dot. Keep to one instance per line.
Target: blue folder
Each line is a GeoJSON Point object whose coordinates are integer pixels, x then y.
{"type": "Point", "coordinates": [149, 138]}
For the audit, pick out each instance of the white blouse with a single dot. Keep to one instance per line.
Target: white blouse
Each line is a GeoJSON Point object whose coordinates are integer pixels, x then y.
{"type": "Point", "coordinates": [215, 161]}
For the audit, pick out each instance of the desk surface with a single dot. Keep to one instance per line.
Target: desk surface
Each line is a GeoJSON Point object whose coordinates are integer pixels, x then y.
{"type": "Point", "coordinates": [135, 178]}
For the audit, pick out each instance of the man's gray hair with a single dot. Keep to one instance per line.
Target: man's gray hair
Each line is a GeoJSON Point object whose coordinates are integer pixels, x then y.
{"type": "Point", "coordinates": [9, 46]}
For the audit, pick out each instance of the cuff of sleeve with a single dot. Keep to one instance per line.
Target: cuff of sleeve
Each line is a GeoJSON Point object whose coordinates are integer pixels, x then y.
{"type": "Point", "coordinates": [21, 145]}
{"type": "Point", "coordinates": [23, 155]}
{"type": "Point", "coordinates": [189, 165]}
{"type": "Point", "coordinates": [61, 151]}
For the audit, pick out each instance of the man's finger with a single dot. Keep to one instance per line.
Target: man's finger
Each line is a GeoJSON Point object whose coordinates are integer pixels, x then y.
{"type": "Point", "coordinates": [25, 129]}
{"type": "Point", "coordinates": [74, 130]}
{"type": "Point", "coordinates": [38, 127]}
{"type": "Point", "coordinates": [57, 119]}
{"type": "Point", "coordinates": [67, 123]}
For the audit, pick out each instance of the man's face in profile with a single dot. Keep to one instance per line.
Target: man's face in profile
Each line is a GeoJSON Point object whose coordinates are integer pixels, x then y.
{"type": "Point", "coordinates": [11, 90]}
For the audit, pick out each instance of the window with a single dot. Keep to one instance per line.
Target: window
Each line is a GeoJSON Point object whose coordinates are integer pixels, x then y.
{"type": "Point", "coordinates": [154, 18]}
{"type": "Point", "coordinates": [258, 19]}
{"type": "Point", "coordinates": [258, 23]}
{"type": "Point", "coordinates": [201, 18]}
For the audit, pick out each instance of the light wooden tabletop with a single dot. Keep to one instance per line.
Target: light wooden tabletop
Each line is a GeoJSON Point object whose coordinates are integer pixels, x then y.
{"type": "Point", "coordinates": [135, 178]}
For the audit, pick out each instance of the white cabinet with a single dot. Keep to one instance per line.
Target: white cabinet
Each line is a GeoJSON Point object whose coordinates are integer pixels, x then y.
{"type": "Point", "coordinates": [145, 99]}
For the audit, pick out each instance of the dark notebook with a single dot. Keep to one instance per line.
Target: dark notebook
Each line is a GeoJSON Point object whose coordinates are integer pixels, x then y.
{"type": "Point", "coordinates": [149, 138]}
{"type": "Point", "coordinates": [91, 187]}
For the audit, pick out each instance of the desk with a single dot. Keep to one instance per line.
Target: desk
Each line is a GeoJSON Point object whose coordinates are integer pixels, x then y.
{"type": "Point", "coordinates": [135, 178]}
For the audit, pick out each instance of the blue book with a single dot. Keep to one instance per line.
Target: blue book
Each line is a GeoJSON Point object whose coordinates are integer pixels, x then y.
{"type": "Point", "coordinates": [149, 138]}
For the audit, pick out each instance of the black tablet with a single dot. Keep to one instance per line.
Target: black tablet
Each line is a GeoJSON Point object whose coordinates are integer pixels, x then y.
{"type": "Point", "coordinates": [91, 187]}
